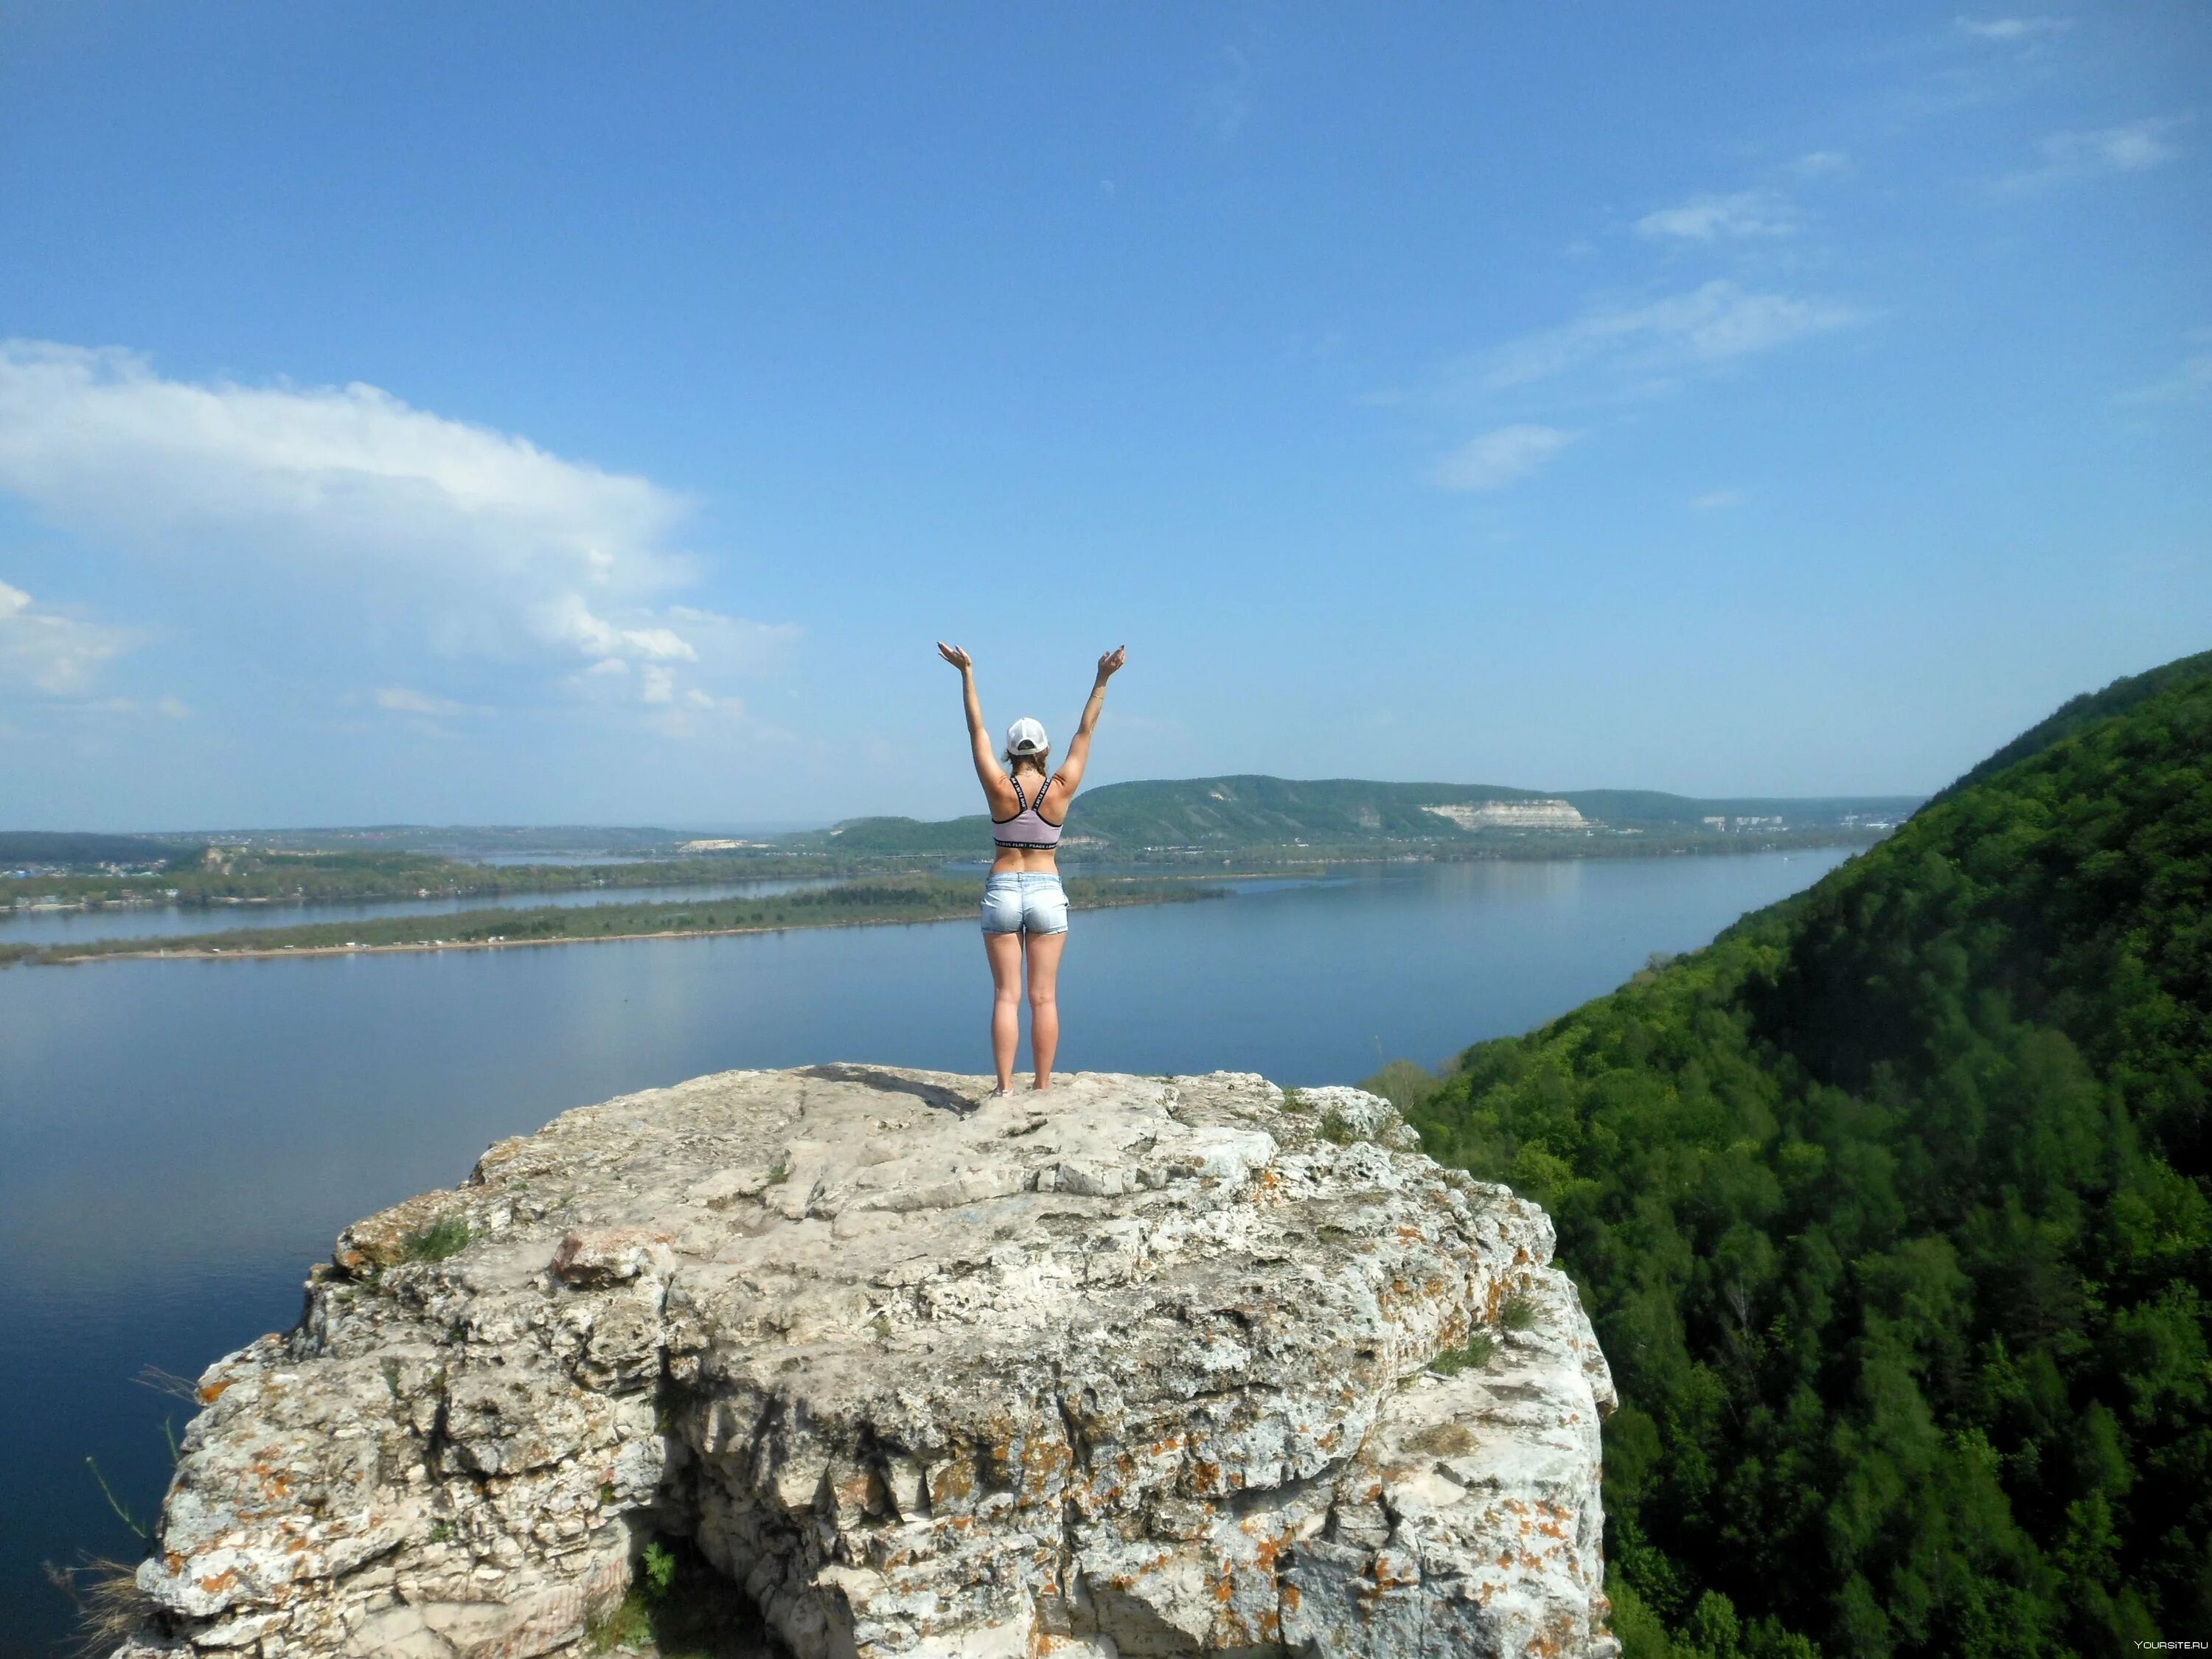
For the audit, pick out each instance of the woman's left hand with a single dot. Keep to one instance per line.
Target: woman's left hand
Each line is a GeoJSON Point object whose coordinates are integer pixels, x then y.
{"type": "Point", "coordinates": [953, 654]}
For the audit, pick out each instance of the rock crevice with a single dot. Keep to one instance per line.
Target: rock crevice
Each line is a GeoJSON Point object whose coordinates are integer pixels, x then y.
{"type": "Point", "coordinates": [1143, 1367]}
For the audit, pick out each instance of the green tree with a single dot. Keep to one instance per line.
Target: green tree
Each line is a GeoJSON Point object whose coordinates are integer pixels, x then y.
{"type": "Point", "coordinates": [1894, 1210]}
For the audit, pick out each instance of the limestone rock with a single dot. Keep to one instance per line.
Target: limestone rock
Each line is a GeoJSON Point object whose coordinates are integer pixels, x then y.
{"type": "Point", "coordinates": [1355, 1115]}
{"type": "Point", "coordinates": [1512, 815]}
{"type": "Point", "coordinates": [1142, 1367]}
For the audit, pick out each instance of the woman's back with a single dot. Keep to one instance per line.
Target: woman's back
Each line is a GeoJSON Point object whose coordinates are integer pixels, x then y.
{"type": "Point", "coordinates": [1026, 839]}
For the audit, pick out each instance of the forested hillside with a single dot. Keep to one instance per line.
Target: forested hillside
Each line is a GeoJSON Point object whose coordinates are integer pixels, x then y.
{"type": "Point", "coordinates": [1251, 811]}
{"type": "Point", "coordinates": [46, 847]}
{"type": "Point", "coordinates": [1260, 810]}
{"type": "Point", "coordinates": [2079, 712]}
{"type": "Point", "coordinates": [1891, 1208]}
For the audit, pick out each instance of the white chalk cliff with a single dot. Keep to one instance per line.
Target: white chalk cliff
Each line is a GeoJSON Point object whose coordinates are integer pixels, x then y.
{"type": "Point", "coordinates": [1140, 1367]}
{"type": "Point", "coordinates": [1512, 815]}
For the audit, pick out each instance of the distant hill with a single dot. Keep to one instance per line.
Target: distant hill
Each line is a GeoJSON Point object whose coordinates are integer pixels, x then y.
{"type": "Point", "coordinates": [1272, 809]}
{"type": "Point", "coordinates": [461, 840]}
{"type": "Point", "coordinates": [1893, 1212]}
{"type": "Point", "coordinates": [21, 847]}
{"type": "Point", "coordinates": [943, 837]}
{"type": "Point", "coordinates": [1254, 811]}
{"type": "Point", "coordinates": [1214, 815]}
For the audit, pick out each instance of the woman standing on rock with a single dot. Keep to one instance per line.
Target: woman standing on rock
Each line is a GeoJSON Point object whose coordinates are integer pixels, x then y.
{"type": "Point", "coordinates": [1023, 904]}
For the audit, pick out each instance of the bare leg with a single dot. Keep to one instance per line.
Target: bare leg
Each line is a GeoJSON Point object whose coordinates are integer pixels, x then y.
{"type": "Point", "coordinates": [1005, 951]}
{"type": "Point", "coordinates": [1044, 1002]}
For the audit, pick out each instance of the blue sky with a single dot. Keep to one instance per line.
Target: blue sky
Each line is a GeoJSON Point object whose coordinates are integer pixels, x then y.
{"type": "Point", "coordinates": [537, 413]}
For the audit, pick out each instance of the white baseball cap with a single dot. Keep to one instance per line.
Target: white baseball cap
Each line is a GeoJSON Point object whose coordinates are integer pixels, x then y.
{"type": "Point", "coordinates": [1026, 737]}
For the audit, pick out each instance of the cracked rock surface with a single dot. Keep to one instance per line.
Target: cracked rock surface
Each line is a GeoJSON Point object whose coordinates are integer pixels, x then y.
{"type": "Point", "coordinates": [1140, 1367]}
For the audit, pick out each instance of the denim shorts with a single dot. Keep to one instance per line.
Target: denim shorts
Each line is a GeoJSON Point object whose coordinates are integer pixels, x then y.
{"type": "Point", "coordinates": [1017, 903]}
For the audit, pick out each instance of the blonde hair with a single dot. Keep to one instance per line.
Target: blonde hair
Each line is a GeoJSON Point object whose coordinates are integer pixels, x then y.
{"type": "Point", "coordinates": [1040, 760]}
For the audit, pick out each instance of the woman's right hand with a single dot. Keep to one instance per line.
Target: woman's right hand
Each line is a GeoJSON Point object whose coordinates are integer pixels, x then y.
{"type": "Point", "coordinates": [953, 654]}
{"type": "Point", "coordinates": [1111, 664]}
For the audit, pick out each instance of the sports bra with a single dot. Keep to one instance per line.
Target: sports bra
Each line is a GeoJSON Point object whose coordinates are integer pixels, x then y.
{"type": "Point", "coordinates": [1027, 829]}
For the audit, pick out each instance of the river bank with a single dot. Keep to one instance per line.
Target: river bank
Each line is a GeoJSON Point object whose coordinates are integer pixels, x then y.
{"type": "Point", "coordinates": [854, 904]}
{"type": "Point", "coordinates": [262, 882]}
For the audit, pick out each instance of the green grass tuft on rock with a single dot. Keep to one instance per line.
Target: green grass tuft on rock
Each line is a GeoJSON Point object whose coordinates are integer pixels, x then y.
{"type": "Point", "coordinates": [438, 1242]}
{"type": "Point", "coordinates": [1481, 1349]}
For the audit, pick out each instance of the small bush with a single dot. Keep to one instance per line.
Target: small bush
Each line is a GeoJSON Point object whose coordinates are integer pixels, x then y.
{"type": "Point", "coordinates": [442, 1239]}
{"type": "Point", "coordinates": [1405, 1084]}
{"type": "Point", "coordinates": [1335, 1129]}
{"type": "Point", "coordinates": [1479, 1349]}
{"type": "Point", "coordinates": [1519, 1313]}
{"type": "Point", "coordinates": [659, 1571]}
{"type": "Point", "coordinates": [628, 1625]}
{"type": "Point", "coordinates": [686, 1609]}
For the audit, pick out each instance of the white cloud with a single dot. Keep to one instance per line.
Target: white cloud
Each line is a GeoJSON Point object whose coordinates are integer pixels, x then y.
{"type": "Point", "coordinates": [48, 652]}
{"type": "Point", "coordinates": [1820, 164]}
{"type": "Point", "coordinates": [1704, 327]}
{"type": "Point", "coordinates": [2013, 29]}
{"type": "Point", "coordinates": [404, 700]}
{"type": "Point", "coordinates": [566, 617]}
{"type": "Point", "coordinates": [1497, 458]}
{"type": "Point", "coordinates": [2189, 383]}
{"type": "Point", "coordinates": [1708, 218]}
{"type": "Point", "coordinates": [697, 712]}
{"type": "Point", "coordinates": [168, 708]}
{"type": "Point", "coordinates": [2129, 148]}
{"type": "Point", "coordinates": [1714, 500]}
{"type": "Point", "coordinates": [477, 541]}
{"type": "Point", "coordinates": [1224, 105]}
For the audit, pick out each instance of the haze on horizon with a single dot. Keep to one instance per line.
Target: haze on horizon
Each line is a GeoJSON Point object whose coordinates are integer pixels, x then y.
{"type": "Point", "coordinates": [590, 415]}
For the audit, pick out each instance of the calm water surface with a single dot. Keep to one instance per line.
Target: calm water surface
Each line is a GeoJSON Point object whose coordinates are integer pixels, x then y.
{"type": "Point", "coordinates": [179, 1139]}
{"type": "Point", "coordinates": [150, 921]}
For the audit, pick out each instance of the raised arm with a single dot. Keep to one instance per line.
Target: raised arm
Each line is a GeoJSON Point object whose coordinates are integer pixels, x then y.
{"type": "Point", "coordinates": [995, 786]}
{"type": "Point", "coordinates": [1078, 751]}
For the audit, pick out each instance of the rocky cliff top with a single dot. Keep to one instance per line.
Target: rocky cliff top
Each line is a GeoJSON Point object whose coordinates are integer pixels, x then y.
{"type": "Point", "coordinates": [1140, 1367]}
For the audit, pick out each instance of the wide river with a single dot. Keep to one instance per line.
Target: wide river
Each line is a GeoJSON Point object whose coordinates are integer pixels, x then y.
{"type": "Point", "coordinates": [179, 1139]}
{"type": "Point", "coordinates": [68, 926]}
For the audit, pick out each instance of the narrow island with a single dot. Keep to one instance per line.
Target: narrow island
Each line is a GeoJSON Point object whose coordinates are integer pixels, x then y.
{"type": "Point", "coordinates": [846, 905]}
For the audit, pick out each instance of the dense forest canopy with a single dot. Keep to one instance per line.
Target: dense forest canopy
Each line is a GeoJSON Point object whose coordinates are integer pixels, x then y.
{"type": "Point", "coordinates": [1891, 1208]}
{"type": "Point", "coordinates": [2079, 712]}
